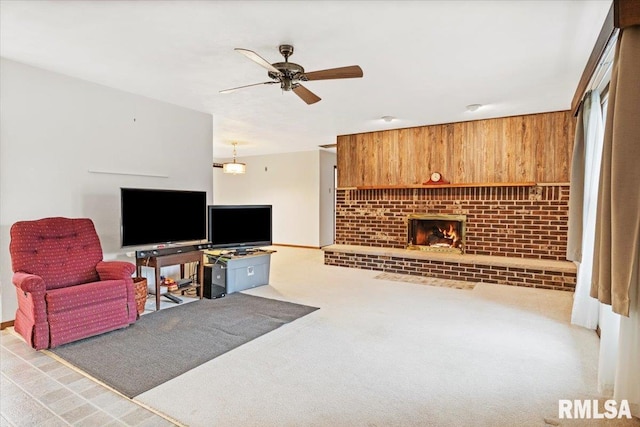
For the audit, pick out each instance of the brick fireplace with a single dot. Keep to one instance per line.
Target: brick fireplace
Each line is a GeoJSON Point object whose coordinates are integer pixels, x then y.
{"type": "Point", "coordinates": [502, 224]}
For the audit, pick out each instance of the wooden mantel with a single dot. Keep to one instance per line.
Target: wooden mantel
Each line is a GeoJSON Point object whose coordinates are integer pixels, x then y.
{"type": "Point", "coordinates": [467, 185]}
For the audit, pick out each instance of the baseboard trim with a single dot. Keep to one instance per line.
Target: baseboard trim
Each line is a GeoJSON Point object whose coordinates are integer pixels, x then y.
{"type": "Point", "coordinates": [5, 325]}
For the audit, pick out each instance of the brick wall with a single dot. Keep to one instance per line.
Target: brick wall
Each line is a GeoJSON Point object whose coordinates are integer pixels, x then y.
{"type": "Point", "coordinates": [521, 221]}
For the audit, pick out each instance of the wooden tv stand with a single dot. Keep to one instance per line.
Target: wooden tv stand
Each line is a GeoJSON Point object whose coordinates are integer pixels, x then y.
{"type": "Point", "coordinates": [158, 261]}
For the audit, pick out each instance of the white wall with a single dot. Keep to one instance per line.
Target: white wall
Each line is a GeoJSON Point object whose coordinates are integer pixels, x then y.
{"type": "Point", "coordinates": [54, 129]}
{"type": "Point", "coordinates": [290, 182]}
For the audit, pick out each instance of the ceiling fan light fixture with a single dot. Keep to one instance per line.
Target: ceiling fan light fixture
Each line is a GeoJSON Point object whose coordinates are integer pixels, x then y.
{"type": "Point", "coordinates": [388, 118]}
{"type": "Point", "coordinates": [473, 107]}
{"type": "Point", "coordinates": [234, 167]}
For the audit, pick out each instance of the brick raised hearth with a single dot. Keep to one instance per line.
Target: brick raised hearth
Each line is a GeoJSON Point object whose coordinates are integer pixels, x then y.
{"type": "Point", "coordinates": [515, 235]}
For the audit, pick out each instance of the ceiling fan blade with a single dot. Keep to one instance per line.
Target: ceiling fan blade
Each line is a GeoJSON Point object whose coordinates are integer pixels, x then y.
{"type": "Point", "coordinates": [350, 72]}
{"type": "Point", "coordinates": [258, 59]}
{"type": "Point", "coordinates": [242, 87]}
{"type": "Point", "coordinates": [306, 95]}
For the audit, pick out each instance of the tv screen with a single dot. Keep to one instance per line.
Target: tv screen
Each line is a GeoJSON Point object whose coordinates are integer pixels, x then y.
{"type": "Point", "coordinates": [239, 226]}
{"type": "Point", "coordinates": [151, 216]}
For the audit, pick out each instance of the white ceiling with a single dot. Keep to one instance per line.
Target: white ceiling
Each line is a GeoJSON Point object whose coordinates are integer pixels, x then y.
{"type": "Point", "coordinates": [423, 61]}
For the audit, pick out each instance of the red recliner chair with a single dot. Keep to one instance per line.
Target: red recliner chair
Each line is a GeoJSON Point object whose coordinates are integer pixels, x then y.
{"type": "Point", "coordinates": [65, 290]}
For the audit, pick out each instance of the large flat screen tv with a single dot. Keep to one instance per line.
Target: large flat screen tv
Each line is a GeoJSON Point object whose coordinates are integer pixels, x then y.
{"type": "Point", "coordinates": [153, 217]}
{"type": "Point", "coordinates": [239, 227]}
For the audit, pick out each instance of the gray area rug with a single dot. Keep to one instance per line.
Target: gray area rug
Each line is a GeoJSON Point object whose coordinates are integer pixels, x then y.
{"type": "Point", "coordinates": [164, 344]}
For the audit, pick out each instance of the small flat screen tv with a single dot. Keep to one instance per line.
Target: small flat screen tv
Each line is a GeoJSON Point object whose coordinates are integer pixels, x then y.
{"type": "Point", "coordinates": [239, 227]}
{"type": "Point", "coordinates": [153, 217]}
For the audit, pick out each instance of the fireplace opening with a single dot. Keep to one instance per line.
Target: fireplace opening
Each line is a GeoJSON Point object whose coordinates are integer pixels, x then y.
{"type": "Point", "coordinates": [439, 233]}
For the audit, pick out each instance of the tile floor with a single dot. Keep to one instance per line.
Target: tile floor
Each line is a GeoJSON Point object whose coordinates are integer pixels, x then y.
{"type": "Point", "coordinates": [38, 390]}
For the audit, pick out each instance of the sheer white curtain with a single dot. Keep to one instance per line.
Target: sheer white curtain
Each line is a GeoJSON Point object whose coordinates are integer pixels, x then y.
{"type": "Point", "coordinates": [585, 310]}
{"type": "Point", "coordinates": [609, 343]}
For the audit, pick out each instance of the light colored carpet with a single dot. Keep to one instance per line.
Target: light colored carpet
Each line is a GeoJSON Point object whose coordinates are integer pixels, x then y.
{"type": "Point", "coordinates": [430, 281]}
{"type": "Point", "coordinates": [383, 353]}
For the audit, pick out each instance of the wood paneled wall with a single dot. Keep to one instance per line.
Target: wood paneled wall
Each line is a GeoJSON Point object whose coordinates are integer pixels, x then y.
{"type": "Point", "coordinates": [529, 148]}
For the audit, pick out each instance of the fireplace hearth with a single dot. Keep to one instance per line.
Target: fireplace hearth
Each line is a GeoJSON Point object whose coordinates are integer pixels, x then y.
{"type": "Point", "coordinates": [437, 233]}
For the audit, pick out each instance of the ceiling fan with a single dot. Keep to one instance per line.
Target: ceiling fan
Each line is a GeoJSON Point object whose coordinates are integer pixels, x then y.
{"type": "Point", "coordinates": [290, 75]}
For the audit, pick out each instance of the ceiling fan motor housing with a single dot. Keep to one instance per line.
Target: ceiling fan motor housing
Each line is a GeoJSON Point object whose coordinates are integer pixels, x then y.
{"type": "Point", "coordinates": [291, 72]}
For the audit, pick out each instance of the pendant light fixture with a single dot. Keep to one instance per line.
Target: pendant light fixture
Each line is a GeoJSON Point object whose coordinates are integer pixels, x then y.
{"type": "Point", "coordinates": [234, 167]}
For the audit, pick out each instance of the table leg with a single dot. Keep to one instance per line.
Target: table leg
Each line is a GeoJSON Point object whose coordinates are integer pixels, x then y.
{"type": "Point", "coordinates": [157, 288]}
{"type": "Point", "coordinates": [201, 277]}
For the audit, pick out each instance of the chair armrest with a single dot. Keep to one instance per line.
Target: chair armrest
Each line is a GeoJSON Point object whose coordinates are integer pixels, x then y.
{"type": "Point", "coordinates": [28, 282]}
{"type": "Point", "coordinates": [115, 270]}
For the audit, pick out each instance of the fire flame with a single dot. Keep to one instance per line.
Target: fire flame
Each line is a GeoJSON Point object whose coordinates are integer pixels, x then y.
{"type": "Point", "coordinates": [451, 233]}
